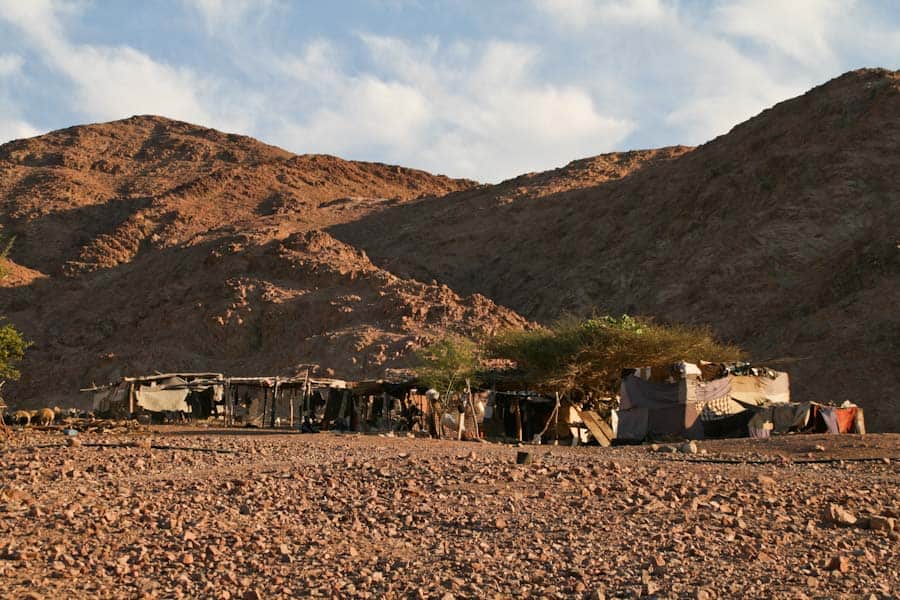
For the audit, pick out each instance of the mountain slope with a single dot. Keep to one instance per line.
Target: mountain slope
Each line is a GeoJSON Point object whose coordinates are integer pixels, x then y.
{"type": "Point", "coordinates": [152, 244]}
{"type": "Point", "coordinates": [782, 235]}
{"type": "Point", "coordinates": [149, 244]}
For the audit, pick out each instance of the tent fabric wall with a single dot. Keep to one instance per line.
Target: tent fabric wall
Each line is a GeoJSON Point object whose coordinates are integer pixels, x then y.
{"type": "Point", "coordinates": [838, 420]}
{"type": "Point", "coordinates": [631, 424]}
{"type": "Point", "coordinates": [655, 409]}
{"type": "Point", "coordinates": [713, 399]}
{"type": "Point", "coordinates": [760, 390]}
{"type": "Point", "coordinates": [639, 393]}
{"type": "Point", "coordinates": [105, 399]}
{"type": "Point", "coordinates": [729, 395]}
{"type": "Point", "coordinates": [158, 400]}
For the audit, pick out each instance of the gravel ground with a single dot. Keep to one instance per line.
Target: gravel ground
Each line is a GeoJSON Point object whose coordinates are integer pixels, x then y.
{"type": "Point", "coordinates": [254, 514]}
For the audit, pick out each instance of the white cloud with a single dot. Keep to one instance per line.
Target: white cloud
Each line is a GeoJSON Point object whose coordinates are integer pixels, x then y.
{"type": "Point", "coordinates": [12, 125]}
{"type": "Point", "coordinates": [365, 114]}
{"type": "Point", "coordinates": [10, 64]}
{"type": "Point", "coordinates": [605, 76]}
{"type": "Point", "coordinates": [116, 82]}
{"type": "Point", "coordinates": [14, 129]}
{"type": "Point", "coordinates": [704, 69]}
{"type": "Point", "coordinates": [476, 110]}
{"type": "Point", "coordinates": [112, 82]}
{"type": "Point", "coordinates": [221, 15]}
{"type": "Point", "coordinates": [581, 14]}
{"type": "Point", "coordinates": [799, 29]}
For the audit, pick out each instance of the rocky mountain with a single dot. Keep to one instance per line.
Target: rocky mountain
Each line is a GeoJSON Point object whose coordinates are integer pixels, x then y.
{"type": "Point", "coordinates": [783, 235]}
{"type": "Point", "coordinates": [150, 244]}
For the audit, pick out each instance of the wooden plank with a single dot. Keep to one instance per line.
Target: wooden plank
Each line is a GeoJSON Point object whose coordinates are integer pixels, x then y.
{"type": "Point", "coordinates": [607, 430]}
{"type": "Point", "coordinates": [596, 426]}
{"type": "Point", "coordinates": [859, 424]}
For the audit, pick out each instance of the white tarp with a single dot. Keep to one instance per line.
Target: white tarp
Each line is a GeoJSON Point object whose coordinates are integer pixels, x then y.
{"type": "Point", "coordinates": [158, 400]}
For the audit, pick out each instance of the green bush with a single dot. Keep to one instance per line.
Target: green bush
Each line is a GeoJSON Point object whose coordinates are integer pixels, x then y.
{"type": "Point", "coordinates": [447, 363]}
{"type": "Point", "coordinates": [12, 351]}
{"type": "Point", "coordinates": [590, 355]}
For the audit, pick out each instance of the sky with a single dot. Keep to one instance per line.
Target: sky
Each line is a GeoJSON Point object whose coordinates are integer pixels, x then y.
{"type": "Point", "coordinates": [484, 90]}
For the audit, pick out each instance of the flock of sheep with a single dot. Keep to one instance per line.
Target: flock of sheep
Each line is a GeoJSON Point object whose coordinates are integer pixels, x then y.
{"type": "Point", "coordinates": [42, 418]}
{"type": "Point", "coordinates": [25, 418]}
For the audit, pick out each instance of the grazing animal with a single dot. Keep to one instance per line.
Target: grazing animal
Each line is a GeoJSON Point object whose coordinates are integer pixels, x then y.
{"type": "Point", "coordinates": [22, 417]}
{"type": "Point", "coordinates": [45, 417]}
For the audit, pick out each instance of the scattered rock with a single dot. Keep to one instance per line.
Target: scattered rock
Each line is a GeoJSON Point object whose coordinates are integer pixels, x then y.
{"type": "Point", "coordinates": [839, 563]}
{"type": "Point", "coordinates": [879, 523]}
{"type": "Point", "coordinates": [689, 447]}
{"type": "Point", "coordinates": [839, 515]}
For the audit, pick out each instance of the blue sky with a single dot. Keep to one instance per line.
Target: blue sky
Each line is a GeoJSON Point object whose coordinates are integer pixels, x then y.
{"type": "Point", "coordinates": [485, 90]}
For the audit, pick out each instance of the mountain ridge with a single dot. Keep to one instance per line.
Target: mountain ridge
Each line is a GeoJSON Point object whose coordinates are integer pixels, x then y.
{"type": "Point", "coordinates": [777, 234]}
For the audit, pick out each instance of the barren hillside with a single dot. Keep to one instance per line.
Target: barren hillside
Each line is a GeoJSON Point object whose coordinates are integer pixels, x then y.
{"type": "Point", "coordinates": [781, 234]}
{"type": "Point", "coordinates": [152, 244]}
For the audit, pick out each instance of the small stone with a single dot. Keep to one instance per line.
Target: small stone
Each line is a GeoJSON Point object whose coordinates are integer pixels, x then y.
{"type": "Point", "coordinates": [839, 563]}
{"type": "Point", "coordinates": [839, 515]}
{"type": "Point", "coordinates": [879, 523]}
{"type": "Point", "coordinates": [689, 448]}
{"type": "Point", "coordinates": [765, 481]}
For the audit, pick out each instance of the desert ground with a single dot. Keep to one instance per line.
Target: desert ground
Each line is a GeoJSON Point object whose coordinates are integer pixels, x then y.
{"type": "Point", "coordinates": [206, 513]}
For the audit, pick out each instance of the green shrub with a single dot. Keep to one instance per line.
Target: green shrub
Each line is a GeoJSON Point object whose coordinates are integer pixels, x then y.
{"type": "Point", "coordinates": [12, 351]}
{"type": "Point", "coordinates": [447, 363]}
{"type": "Point", "coordinates": [590, 355]}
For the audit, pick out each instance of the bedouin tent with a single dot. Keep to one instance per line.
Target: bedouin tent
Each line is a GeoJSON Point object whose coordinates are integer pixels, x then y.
{"type": "Point", "coordinates": [647, 408]}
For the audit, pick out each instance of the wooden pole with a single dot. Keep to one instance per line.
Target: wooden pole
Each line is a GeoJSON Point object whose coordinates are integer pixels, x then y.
{"type": "Point", "coordinates": [275, 401]}
{"type": "Point", "coordinates": [554, 417]}
{"type": "Point", "coordinates": [291, 403]}
{"type": "Point", "coordinates": [265, 400]}
{"type": "Point", "coordinates": [556, 422]}
{"type": "Point", "coordinates": [518, 418]}
{"type": "Point", "coordinates": [307, 392]}
{"type": "Point", "coordinates": [472, 404]}
{"type": "Point", "coordinates": [461, 417]}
